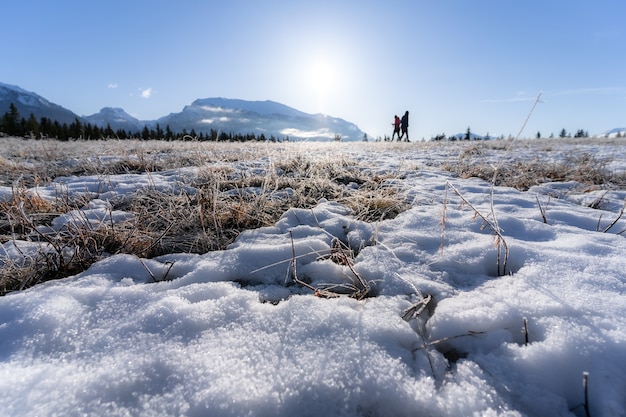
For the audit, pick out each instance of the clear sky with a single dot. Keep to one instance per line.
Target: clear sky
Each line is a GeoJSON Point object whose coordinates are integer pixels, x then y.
{"type": "Point", "coordinates": [452, 64]}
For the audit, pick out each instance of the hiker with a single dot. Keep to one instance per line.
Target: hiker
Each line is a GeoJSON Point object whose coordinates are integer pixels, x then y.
{"type": "Point", "coordinates": [405, 126]}
{"type": "Point", "coordinates": [396, 127]}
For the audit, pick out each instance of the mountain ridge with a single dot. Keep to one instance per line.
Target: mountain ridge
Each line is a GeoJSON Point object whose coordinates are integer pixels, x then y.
{"type": "Point", "coordinates": [268, 117]}
{"type": "Point", "coordinates": [203, 115]}
{"type": "Point", "coordinates": [28, 103]}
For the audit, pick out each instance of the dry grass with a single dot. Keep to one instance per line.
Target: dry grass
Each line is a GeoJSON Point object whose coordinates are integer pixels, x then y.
{"type": "Point", "coordinates": [237, 187]}
{"type": "Point", "coordinates": [226, 201]}
{"type": "Point", "coordinates": [62, 252]}
{"type": "Point", "coordinates": [520, 172]}
{"type": "Point", "coordinates": [354, 286]}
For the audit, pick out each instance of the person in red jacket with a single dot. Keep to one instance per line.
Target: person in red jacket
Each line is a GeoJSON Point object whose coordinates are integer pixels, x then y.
{"type": "Point", "coordinates": [396, 127]}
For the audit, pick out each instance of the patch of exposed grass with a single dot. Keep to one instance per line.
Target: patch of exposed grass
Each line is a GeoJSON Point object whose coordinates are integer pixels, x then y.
{"type": "Point", "coordinates": [236, 188]}
{"type": "Point", "coordinates": [585, 168]}
{"type": "Point", "coordinates": [226, 201]}
{"type": "Point", "coordinates": [61, 252]}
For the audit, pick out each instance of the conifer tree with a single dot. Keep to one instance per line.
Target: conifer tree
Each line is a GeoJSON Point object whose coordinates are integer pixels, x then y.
{"type": "Point", "coordinates": [145, 133]}
{"type": "Point", "coordinates": [10, 121]}
{"type": "Point", "coordinates": [32, 126]}
{"type": "Point", "coordinates": [468, 134]}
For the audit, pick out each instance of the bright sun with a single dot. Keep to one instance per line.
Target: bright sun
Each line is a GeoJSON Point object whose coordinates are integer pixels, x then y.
{"type": "Point", "coordinates": [322, 77]}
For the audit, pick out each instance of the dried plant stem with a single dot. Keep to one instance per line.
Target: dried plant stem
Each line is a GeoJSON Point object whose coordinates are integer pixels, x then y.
{"type": "Point", "coordinates": [501, 245]}
{"type": "Point", "coordinates": [500, 242]}
{"type": "Point", "coordinates": [585, 387]}
{"type": "Point", "coordinates": [168, 264]}
{"type": "Point", "coordinates": [359, 289]}
{"type": "Point", "coordinates": [445, 339]}
{"type": "Point", "coordinates": [294, 271]}
{"type": "Point", "coordinates": [525, 331]}
{"type": "Point", "coordinates": [443, 220]}
{"type": "Point", "coordinates": [619, 216]}
{"type": "Point", "coordinates": [363, 287]}
{"type": "Point", "coordinates": [158, 239]}
{"type": "Point", "coordinates": [416, 309]}
{"type": "Point", "coordinates": [413, 312]}
{"type": "Point", "coordinates": [542, 210]}
{"type": "Point", "coordinates": [532, 109]}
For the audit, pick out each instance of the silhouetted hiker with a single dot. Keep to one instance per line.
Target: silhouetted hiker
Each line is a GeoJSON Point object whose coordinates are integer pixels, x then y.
{"type": "Point", "coordinates": [396, 127]}
{"type": "Point", "coordinates": [405, 125]}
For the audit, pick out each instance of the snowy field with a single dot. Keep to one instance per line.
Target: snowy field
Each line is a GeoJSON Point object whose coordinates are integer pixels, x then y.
{"type": "Point", "coordinates": [481, 300]}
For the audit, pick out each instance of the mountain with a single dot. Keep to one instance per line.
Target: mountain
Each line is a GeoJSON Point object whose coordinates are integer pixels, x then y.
{"type": "Point", "coordinates": [116, 118]}
{"type": "Point", "coordinates": [616, 132]}
{"type": "Point", "coordinates": [203, 116]}
{"type": "Point", "coordinates": [259, 117]}
{"type": "Point", "coordinates": [473, 136]}
{"type": "Point", "coordinates": [28, 103]}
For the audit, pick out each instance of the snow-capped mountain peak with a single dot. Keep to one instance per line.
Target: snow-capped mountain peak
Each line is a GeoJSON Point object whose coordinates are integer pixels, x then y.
{"type": "Point", "coordinates": [268, 118]}
{"type": "Point", "coordinates": [618, 131]}
{"type": "Point", "coordinates": [259, 117]}
{"type": "Point", "coordinates": [116, 118]}
{"type": "Point", "coordinates": [266, 107]}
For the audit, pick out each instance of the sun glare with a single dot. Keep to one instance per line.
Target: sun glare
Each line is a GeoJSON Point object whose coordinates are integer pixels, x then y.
{"type": "Point", "coordinates": [322, 77]}
{"type": "Point", "coordinates": [322, 84]}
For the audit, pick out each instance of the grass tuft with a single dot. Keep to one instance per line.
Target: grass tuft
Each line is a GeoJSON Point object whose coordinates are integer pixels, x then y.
{"type": "Point", "coordinates": [227, 188]}
{"type": "Point", "coordinates": [226, 201]}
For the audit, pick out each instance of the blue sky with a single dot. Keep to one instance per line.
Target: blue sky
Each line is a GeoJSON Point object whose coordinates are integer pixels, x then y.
{"type": "Point", "coordinates": [452, 64]}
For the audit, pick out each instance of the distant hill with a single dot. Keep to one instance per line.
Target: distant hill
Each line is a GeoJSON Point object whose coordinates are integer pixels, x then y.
{"type": "Point", "coordinates": [202, 116]}
{"type": "Point", "coordinates": [473, 136]}
{"type": "Point", "coordinates": [116, 118]}
{"type": "Point", "coordinates": [259, 117]}
{"type": "Point", "coordinates": [618, 131]}
{"type": "Point", "coordinates": [28, 103]}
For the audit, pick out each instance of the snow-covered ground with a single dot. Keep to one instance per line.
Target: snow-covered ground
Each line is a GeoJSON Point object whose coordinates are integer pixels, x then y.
{"type": "Point", "coordinates": [227, 333]}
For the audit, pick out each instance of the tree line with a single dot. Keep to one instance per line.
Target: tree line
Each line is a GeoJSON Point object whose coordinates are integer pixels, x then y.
{"type": "Point", "coordinates": [580, 133]}
{"type": "Point", "coordinates": [12, 124]}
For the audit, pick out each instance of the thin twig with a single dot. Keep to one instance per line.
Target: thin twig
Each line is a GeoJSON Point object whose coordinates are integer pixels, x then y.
{"type": "Point", "coordinates": [500, 241]}
{"type": "Point", "coordinates": [416, 309]}
{"type": "Point", "coordinates": [157, 240]}
{"type": "Point", "coordinates": [619, 216]}
{"type": "Point", "coordinates": [526, 330]}
{"type": "Point", "coordinates": [148, 270]}
{"type": "Point", "coordinates": [363, 287]}
{"type": "Point", "coordinates": [443, 220]}
{"type": "Point", "coordinates": [445, 339]}
{"type": "Point", "coordinates": [294, 272]}
{"type": "Point", "coordinates": [585, 387]}
{"type": "Point", "coordinates": [542, 210]}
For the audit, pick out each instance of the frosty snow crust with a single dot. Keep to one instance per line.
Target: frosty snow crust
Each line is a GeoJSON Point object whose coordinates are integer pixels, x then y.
{"type": "Point", "coordinates": [229, 333]}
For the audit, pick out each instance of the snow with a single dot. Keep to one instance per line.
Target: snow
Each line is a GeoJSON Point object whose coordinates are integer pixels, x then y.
{"type": "Point", "coordinates": [266, 107]}
{"type": "Point", "coordinates": [115, 117]}
{"type": "Point", "coordinates": [23, 96]}
{"type": "Point", "coordinates": [227, 333]}
{"type": "Point", "coordinates": [618, 131]}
